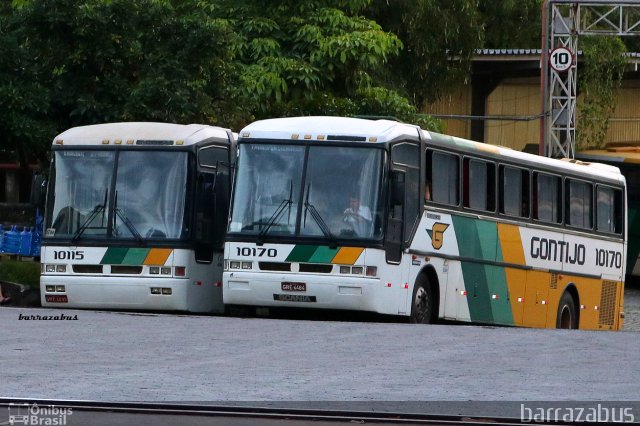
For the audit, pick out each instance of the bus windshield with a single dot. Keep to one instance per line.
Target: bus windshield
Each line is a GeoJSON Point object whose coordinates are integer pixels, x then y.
{"type": "Point", "coordinates": [146, 199]}
{"type": "Point", "coordinates": [335, 195]}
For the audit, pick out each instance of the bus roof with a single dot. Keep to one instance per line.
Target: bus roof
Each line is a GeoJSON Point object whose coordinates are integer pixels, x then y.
{"type": "Point", "coordinates": [134, 132]}
{"type": "Point", "coordinates": [329, 128]}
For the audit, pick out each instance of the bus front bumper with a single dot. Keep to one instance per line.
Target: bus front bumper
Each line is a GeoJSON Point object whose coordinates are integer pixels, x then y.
{"type": "Point", "coordinates": [301, 291]}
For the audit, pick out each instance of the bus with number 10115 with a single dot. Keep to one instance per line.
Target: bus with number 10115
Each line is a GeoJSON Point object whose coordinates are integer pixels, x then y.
{"type": "Point", "coordinates": [135, 217]}
{"type": "Point", "coordinates": [380, 216]}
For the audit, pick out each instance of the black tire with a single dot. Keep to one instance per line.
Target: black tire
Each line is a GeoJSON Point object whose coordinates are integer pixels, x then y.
{"type": "Point", "coordinates": [422, 304]}
{"type": "Point", "coordinates": [567, 314]}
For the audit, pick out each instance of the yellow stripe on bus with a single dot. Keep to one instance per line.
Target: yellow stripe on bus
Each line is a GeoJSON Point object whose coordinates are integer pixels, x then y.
{"type": "Point", "coordinates": [157, 256]}
{"type": "Point", "coordinates": [347, 255]}
{"type": "Point", "coordinates": [513, 252]}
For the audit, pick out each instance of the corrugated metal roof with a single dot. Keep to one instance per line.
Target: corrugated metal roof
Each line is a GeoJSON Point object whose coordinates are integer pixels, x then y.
{"type": "Point", "coordinates": [522, 52]}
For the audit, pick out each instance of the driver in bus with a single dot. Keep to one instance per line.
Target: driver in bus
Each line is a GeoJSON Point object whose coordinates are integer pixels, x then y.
{"type": "Point", "coordinates": [358, 216]}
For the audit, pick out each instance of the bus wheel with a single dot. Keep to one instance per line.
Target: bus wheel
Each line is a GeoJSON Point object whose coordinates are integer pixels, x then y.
{"type": "Point", "coordinates": [567, 315]}
{"type": "Point", "coordinates": [422, 304]}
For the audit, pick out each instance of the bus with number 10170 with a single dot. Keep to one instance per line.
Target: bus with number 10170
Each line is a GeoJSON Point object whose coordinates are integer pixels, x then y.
{"type": "Point", "coordinates": [135, 217]}
{"type": "Point", "coordinates": [385, 217]}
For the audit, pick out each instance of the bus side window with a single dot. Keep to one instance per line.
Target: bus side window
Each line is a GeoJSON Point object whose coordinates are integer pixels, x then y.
{"type": "Point", "coordinates": [547, 195]}
{"type": "Point", "coordinates": [514, 191]}
{"type": "Point", "coordinates": [608, 210]}
{"type": "Point", "coordinates": [479, 185]}
{"type": "Point", "coordinates": [579, 202]}
{"type": "Point", "coordinates": [443, 174]}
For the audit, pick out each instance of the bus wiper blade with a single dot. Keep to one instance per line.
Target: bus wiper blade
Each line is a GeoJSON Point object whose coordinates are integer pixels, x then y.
{"type": "Point", "coordinates": [321, 223]}
{"type": "Point", "coordinates": [126, 221]}
{"type": "Point", "coordinates": [276, 214]}
{"type": "Point", "coordinates": [318, 219]}
{"type": "Point", "coordinates": [95, 212]}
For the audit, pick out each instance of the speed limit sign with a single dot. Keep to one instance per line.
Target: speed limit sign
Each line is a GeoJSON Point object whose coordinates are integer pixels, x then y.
{"type": "Point", "coordinates": [561, 59]}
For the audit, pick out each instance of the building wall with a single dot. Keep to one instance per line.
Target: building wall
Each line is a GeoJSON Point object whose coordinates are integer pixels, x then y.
{"type": "Point", "coordinates": [456, 103]}
{"type": "Point", "coordinates": [521, 97]}
{"type": "Point", "coordinates": [624, 126]}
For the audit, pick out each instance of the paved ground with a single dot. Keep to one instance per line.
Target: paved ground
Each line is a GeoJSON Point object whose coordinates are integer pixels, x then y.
{"type": "Point", "coordinates": [139, 357]}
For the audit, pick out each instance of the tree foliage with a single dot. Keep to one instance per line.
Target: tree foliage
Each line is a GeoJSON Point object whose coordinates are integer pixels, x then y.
{"type": "Point", "coordinates": [439, 38]}
{"type": "Point", "coordinates": [314, 57]}
{"type": "Point", "coordinates": [91, 61]}
{"type": "Point", "coordinates": [600, 77]}
{"type": "Point", "coordinates": [514, 24]}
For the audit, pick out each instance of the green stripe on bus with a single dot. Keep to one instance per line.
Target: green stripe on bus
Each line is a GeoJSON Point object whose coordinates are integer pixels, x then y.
{"type": "Point", "coordinates": [114, 256]}
{"type": "Point", "coordinates": [301, 253]}
{"type": "Point", "coordinates": [324, 254]}
{"type": "Point", "coordinates": [135, 256]}
{"type": "Point", "coordinates": [486, 285]}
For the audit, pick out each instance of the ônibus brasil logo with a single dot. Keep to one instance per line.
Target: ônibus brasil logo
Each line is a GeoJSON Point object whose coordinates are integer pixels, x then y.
{"type": "Point", "coordinates": [33, 414]}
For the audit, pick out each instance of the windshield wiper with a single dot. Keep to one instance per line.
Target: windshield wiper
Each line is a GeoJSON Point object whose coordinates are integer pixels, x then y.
{"type": "Point", "coordinates": [126, 221]}
{"type": "Point", "coordinates": [276, 214]}
{"type": "Point", "coordinates": [318, 219]}
{"type": "Point", "coordinates": [95, 212]}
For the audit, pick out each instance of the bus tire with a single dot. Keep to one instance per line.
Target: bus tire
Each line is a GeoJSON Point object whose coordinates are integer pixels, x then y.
{"type": "Point", "coordinates": [567, 315]}
{"type": "Point", "coordinates": [421, 304]}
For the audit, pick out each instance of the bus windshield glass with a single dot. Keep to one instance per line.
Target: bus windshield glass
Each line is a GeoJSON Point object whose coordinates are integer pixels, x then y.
{"type": "Point", "coordinates": [341, 197]}
{"type": "Point", "coordinates": [148, 200]}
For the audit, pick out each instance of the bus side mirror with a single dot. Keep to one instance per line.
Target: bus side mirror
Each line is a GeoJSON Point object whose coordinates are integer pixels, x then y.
{"type": "Point", "coordinates": [38, 194]}
{"type": "Point", "coordinates": [397, 187]}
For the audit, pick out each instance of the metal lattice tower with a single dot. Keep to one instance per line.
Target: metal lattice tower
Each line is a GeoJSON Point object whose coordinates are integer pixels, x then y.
{"type": "Point", "coordinates": [564, 21]}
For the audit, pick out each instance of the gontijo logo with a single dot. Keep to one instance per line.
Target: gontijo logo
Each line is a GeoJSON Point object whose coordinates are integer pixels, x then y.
{"type": "Point", "coordinates": [436, 233]}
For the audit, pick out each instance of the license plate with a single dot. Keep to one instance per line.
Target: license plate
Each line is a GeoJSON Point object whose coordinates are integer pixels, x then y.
{"type": "Point", "coordinates": [56, 298]}
{"type": "Point", "coordinates": [293, 286]}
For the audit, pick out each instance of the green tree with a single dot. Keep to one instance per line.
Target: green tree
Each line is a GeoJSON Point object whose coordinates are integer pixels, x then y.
{"type": "Point", "coordinates": [511, 24]}
{"type": "Point", "coordinates": [439, 38]}
{"type": "Point", "coordinates": [24, 121]}
{"type": "Point", "coordinates": [112, 60]}
{"type": "Point", "coordinates": [601, 75]}
{"type": "Point", "coordinates": [314, 57]}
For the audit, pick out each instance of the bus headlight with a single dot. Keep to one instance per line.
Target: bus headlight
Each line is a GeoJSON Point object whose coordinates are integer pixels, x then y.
{"type": "Point", "coordinates": [50, 268]}
{"type": "Point", "coordinates": [247, 265]}
{"type": "Point", "coordinates": [234, 264]}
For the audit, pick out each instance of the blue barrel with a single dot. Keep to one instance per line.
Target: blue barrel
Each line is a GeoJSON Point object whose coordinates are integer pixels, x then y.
{"type": "Point", "coordinates": [25, 242]}
{"type": "Point", "coordinates": [36, 240]}
{"type": "Point", "coordinates": [12, 241]}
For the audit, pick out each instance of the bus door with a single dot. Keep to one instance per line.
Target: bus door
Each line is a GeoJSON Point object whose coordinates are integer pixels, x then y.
{"type": "Point", "coordinates": [405, 210]}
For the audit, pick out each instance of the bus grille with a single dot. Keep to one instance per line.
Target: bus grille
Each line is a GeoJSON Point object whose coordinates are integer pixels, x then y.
{"type": "Point", "coordinates": [608, 303]}
{"type": "Point", "coordinates": [87, 269]}
{"type": "Point", "coordinates": [125, 269]}
{"type": "Point", "coordinates": [274, 266]}
{"type": "Point", "coordinates": [316, 267]}
{"type": "Point", "coordinates": [554, 281]}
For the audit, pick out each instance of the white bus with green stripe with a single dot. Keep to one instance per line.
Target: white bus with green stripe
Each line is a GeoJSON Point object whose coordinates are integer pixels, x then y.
{"type": "Point", "coordinates": [447, 228]}
{"type": "Point", "coordinates": [135, 217]}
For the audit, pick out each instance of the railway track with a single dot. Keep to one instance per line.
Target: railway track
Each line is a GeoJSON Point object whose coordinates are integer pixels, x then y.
{"type": "Point", "coordinates": [98, 412]}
